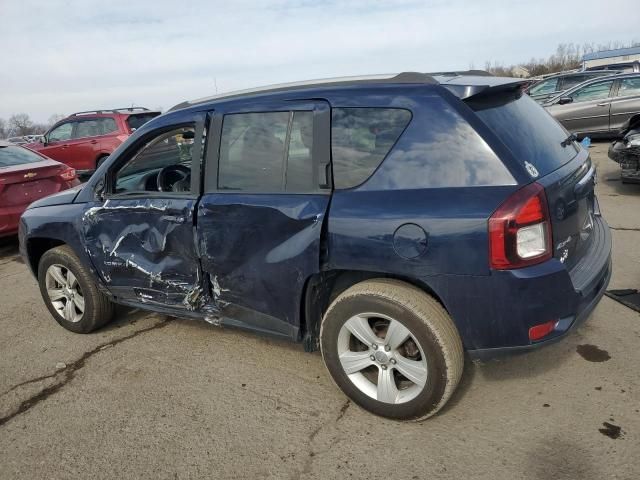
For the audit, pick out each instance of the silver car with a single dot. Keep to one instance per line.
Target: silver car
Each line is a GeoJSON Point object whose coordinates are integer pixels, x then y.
{"type": "Point", "coordinates": [598, 107]}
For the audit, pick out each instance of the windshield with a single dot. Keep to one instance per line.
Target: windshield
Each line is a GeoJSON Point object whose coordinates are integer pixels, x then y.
{"type": "Point", "coordinates": [527, 129]}
{"type": "Point", "coordinates": [11, 156]}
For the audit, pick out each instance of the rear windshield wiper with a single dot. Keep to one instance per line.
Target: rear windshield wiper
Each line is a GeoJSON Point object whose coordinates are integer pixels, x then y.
{"type": "Point", "coordinates": [569, 140]}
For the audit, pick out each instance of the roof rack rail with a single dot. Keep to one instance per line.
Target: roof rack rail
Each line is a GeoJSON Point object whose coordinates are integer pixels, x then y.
{"type": "Point", "coordinates": [404, 77]}
{"type": "Point", "coordinates": [111, 110]}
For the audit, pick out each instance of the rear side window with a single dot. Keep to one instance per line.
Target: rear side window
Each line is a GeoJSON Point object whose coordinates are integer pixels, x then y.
{"type": "Point", "coordinates": [108, 125]}
{"type": "Point", "coordinates": [136, 121]}
{"type": "Point", "coordinates": [629, 86]}
{"type": "Point", "coordinates": [267, 152]}
{"type": "Point", "coordinates": [95, 127]}
{"type": "Point", "coordinates": [360, 139]}
{"type": "Point", "coordinates": [10, 156]}
{"type": "Point", "coordinates": [527, 130]}
{"type": "Point", "coordinates": [572, 81]}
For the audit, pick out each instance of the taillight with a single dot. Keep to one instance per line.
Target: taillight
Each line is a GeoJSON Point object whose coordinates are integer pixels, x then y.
{"type": "Point", "coordinates": [540, 331]}
{"type": "Point", "coordinates": [67, 174]}
{"type": "Point", "coordinates": [520, 230]}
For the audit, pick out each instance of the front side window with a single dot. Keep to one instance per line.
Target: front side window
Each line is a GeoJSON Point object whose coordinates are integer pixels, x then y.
{"type": "Point", "coordinates": [267, 152]}
{"type": "Point", "coordinates": [570, 82]}
{"type": "Point", "coordinates": [361, 138]}
{"type": "Point", "coordinates": [161, 165]}
{"type": "Point", "coordinates": [61, 132]}
{"type": "Point", "coordinates": [629, 87]}
{"type": "Point", "coordinates": [595, 91]}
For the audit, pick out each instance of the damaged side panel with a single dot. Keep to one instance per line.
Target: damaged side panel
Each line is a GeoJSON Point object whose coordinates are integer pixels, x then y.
{"type": "Point", "coordinates": [144, 251]}
{"type": "Point", "coordinates": [259, 251]}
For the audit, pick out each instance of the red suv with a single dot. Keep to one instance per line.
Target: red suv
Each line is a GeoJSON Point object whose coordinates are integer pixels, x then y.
{"type": "Point", "coordinates": [84, 139]}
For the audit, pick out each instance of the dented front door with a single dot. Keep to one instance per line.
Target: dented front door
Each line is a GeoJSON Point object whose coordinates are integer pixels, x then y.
{"type": "Point", "coordinates": [140, 237]}
{"type": "Point", "coordinates": [144, 250]}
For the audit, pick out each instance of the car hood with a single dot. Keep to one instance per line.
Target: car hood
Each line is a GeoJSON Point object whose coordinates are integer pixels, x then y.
{"type": "Point", "coordinates": [34, 146]}
{"type": "Point", "coordinates": [60, 198]}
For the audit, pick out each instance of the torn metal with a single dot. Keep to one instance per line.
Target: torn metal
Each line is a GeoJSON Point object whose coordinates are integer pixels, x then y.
{"type": "Point", "coordinates": [146, 248]}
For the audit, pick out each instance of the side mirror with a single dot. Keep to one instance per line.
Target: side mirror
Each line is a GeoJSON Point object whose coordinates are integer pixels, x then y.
{"type": "Point", "coordinates": [565, 100]}
{"type": "Point", "coordinates": [99, 189]}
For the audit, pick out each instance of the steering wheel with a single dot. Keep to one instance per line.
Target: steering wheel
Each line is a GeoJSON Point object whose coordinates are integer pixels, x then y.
{"type": "Point", "coordinates": [174, 178]}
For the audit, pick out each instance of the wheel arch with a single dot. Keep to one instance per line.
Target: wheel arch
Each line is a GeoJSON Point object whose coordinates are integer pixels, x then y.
{"type": "Point", "coordinates": [322, 288]}
{"type": "Point", "coordinates": [37, 247]}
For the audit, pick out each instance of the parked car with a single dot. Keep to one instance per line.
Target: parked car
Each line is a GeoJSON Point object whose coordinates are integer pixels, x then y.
{"type": "Point", "coordinates": [556, 84]}
{"type": "Point", "coordinates": [33, 138]}
{"type": "Point", "coordinates": [598, 107]}
{"type": "Point", "coordinates": [26, 176]}
{"type": "Point", "coordinates": [17, 140]}
{"type": "Point", "coordinates": [392, 221]}
{"type": "Point", "coordinates": [626, 151]}
{"type": "Point", "coordinates": [84, 139]}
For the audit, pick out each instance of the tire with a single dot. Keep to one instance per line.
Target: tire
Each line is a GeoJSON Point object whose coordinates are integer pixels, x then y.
{"type": "Point", "coordinates": [432, 343]}
{"type": "Point", "coordinates": [101, 160]}
{"type": "Point", "coordinates": [53, 269]}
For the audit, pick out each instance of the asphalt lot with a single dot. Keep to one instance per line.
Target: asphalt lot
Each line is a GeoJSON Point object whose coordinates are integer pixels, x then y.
{"type": "Point", "coordinates": [157, 397]}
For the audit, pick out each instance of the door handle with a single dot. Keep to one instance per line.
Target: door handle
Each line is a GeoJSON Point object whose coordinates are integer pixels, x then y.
{"type": "Point", "coordinates": [602, 104]}
{"type": "Point", "coordinates": [93, 142]}
{"type": "Point", "coordinates": [65, 146]}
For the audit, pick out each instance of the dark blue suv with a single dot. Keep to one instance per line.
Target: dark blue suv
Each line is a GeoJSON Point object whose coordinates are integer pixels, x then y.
{"type": "Point", "coordinates": [394, 222]}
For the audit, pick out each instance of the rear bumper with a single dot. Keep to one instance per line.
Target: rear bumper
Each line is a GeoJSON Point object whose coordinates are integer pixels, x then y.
{"type": "Point", "coordinates": [549, 292]}
{"type": "Point", "coordinates": [563, 327]}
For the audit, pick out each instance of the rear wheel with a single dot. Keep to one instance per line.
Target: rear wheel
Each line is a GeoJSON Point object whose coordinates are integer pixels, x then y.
{"type": "Point", "coordinates": [392, 349]}
{"type": "Point", "coordinates": [70, 293]}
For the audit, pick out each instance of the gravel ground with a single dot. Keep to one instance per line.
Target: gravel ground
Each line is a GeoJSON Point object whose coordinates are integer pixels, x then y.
{"type": "Point", "coordinates": [157, 397]}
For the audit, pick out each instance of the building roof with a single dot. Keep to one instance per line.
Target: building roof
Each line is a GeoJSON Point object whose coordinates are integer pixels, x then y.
{"type": "Point", "coordinates": [611, 53]}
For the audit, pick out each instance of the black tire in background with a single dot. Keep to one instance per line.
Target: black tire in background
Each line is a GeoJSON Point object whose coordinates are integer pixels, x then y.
{"type": "Point", "coordinates": [101, 160]}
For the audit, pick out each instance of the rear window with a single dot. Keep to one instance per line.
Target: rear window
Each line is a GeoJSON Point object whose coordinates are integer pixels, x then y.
{"type": "Point", "coordinates": [527, 130]}
{"type": "Point", "coordinates": [10, 156]}
{"type": "Point", "coordinates": [360, 139]}
{"type": "Point", "coordinates": [136, 121]}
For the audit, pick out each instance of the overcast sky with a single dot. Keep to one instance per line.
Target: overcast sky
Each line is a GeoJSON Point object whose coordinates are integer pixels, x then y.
{"type": "Point", "coordinates": [63, 56]}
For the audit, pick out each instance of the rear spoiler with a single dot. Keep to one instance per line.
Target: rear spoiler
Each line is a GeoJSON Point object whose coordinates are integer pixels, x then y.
{"type": "Point", "coordinates": [498, 85]}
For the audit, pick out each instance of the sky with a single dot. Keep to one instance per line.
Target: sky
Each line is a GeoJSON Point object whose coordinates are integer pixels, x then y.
{"type": "Point", "coordinates": [62, 56]}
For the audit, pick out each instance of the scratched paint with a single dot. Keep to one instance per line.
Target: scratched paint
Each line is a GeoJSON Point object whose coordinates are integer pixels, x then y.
{"type": "Point", "coordinates": [144, 250]}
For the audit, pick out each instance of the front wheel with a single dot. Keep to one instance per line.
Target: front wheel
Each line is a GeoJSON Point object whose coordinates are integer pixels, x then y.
{"type": "Point", "coordinates": [392, 349]}
{"type": "Point", "coordinates": [70, 293]}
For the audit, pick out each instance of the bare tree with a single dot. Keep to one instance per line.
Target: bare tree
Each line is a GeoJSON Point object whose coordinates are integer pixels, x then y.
{"type": "Point", "coordinates": [55, 118]}
{"type": "Point", "coordinates": [3, 128]}
{"type": "Point", "coordinates": [568, 56]}
{"type": "Point", "coordinates": [20, 124]}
